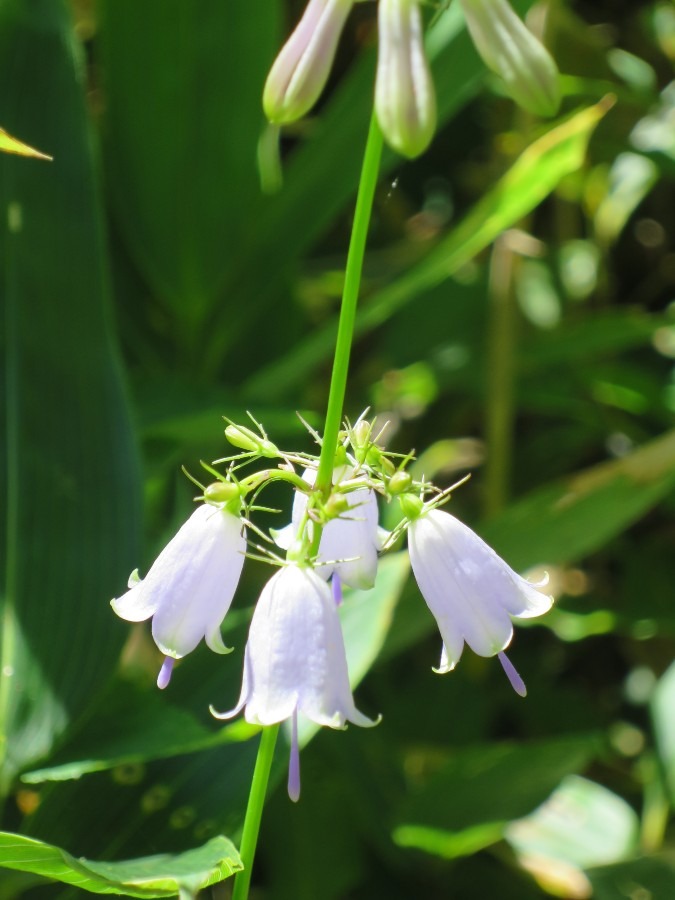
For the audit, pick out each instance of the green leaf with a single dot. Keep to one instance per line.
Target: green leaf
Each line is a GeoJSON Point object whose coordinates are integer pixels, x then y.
{"type": "Point", "coordinates": [130, 726]}
{"type": "Point", "coordinates": [9, 144]}
{"type": "Point", "coordinates": [609, 331]}
{"type": "Point", "coordinates": [69, 487]}
{"type": "Point", "coordinates": [366, 615]}
{"type": "Point", "coordinates": [533, 176]}
{"type": "Point", "coordinates": [151, 876]}
{"type": "Point", "coordinates": [486, 787]}
{"type": "Point", "coordinates": [183, 83]}
{"type": "Point", "coordinates": [565, 521]}
{"type": "Point", "coordinates": [650, 877]}
{"type": "Point", "coordinates": [582, 823]}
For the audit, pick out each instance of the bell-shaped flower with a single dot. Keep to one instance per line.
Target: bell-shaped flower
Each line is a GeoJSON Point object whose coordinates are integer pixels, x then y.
{"type": "Point", "coordinates": [350, 542]}
{"type": "Point", "coordinates": [301, 69]}
{"type": "Point", "coordinates": [405, 101]}
{"type": "Point", "coordinates": [190, 586]}
{"type": "Point", "coordinates": [510, 49]}
{"type": "Point", "coordinates": [295, 660]}
{"type": "Point", "coordinates": [472, 592]}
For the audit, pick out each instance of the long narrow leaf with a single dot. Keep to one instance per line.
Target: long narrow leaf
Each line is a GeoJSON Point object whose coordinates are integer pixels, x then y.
{"type": "Point", "coordinates": [69, 492]}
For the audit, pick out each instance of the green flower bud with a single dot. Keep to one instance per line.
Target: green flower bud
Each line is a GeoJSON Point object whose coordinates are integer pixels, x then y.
{"type": "Point", "coordinates": [510, 49]}
{"type": "Point", "coordinates": [360, 434]}
{"type": "Point", "coordinates": [336, 505]}
{"type": "Point", "coordinates": [245, 439]}
{"type": "Point", "coordinates": [405, 102]}
{"type": "Point", "coordinates": [221, 492]}
{"type": "Point", "coordinates": [411, 505]}
{"type": "Point", "coordinates": [399, 483]}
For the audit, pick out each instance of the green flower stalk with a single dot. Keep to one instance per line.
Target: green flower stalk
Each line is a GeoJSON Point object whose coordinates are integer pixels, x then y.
{"type": "Point", "coordinates": [405, 102]}
{"type": "Point", "coordinates": [511, 51]}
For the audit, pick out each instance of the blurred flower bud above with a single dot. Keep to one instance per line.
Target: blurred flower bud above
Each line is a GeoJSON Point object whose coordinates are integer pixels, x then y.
{"type": "Point", "coordinates": [405, 102]}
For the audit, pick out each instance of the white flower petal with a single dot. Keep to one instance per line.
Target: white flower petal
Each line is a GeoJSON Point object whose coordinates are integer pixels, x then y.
{"type": "Point", "coordinates": [470, 590]}
{"type": "Point", "coordinates": [350, 543]}
{"type": "Point", "coordinates": [295, 657]}
{"type": "Point", "coordinates": [190, 586]}
{"type": "Point", "coordinates": [136, 605]}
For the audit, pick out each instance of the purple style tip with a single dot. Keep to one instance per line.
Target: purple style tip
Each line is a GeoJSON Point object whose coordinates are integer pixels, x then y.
{"type": "Point", "coordinates": [336, 584]}
{"type": "Point", "coordinates": [164, 676]}
{"type": "Point", "coordinates": [517, 682]}
{"type": "Point", "coordinates": [294, 762]}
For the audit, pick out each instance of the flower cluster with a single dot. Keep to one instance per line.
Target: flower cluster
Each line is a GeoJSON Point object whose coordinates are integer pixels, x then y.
{"type": "Point", "coordinates": [405, 101]}
{"type": "Point", "coordinates": [295, 661]}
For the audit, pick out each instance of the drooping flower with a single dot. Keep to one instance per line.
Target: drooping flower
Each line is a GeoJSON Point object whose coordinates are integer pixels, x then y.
{"type": "Point", "coordinates": [349, 543]}
{"type": "Point", "coordinates": [190, 586]}
{"type": "Point", "coordinates": [295, 661]}
{"type": "Point", "coordinates": [405, 102]}
{"type": "Point", "coordinates": [471, 591]}
{"type": "Point", "coordinates": [301, 69]}
{"type": "Point", "coordinates": [509, 48]}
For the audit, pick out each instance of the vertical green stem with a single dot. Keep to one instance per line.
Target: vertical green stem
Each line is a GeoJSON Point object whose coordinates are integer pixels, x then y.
{"type": "Point", "coordinates": [350, 295]}
{"type": "Point", "coordinates": [256, 801]}
{"type": "Point", "coordinates": [338, 385]}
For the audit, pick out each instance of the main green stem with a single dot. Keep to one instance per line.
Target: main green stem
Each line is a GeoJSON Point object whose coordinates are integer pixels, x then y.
{"type": "Point", "coordinates": [256, 801]}
{"type": "Point", "coordinates": [324, 479]}
{"type": "Point", "coordinates": [350, 295]}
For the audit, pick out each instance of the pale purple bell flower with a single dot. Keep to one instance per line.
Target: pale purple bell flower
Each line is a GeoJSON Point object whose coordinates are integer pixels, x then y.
{"type": "Point", "coordinates": [350, 543]}
{"type": "Point", "coordinates": [301, 69]}
{"type": "Point", "coordinates": [472, 593]}
{"type": "Point", "coordinates": [405, 101]}
{"type": "Point", "coordinates": [508, 47]}
{"type": "Point", "coordinates": [295, 661]}
{"type": "Point", "coordinates": [190, 586]}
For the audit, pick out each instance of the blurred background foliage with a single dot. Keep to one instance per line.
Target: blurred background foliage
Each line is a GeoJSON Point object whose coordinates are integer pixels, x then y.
{"type": "Point", "coordinates": [178, 262]}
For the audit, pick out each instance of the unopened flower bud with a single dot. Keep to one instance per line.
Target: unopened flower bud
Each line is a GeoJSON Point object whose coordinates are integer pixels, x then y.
{"type": "Point", "coordinates": [301, 69]}
{"type": "Point", "coordinates": [245, 439]}
{"type": "Point", "coordinates": [336, 505]}
{"type": "Point", "coordinates": [510, 49]}
{"type": "Point", "coordinates": [221, 492]}
{"type": "Point", "coordinates": [411, 506]}
{"type": "Point", "coordinates": [399, 483]}
{"type": "Point", "coordinates": [404, 93]}
{"type": "Point", "coordinates": [360, 434]}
